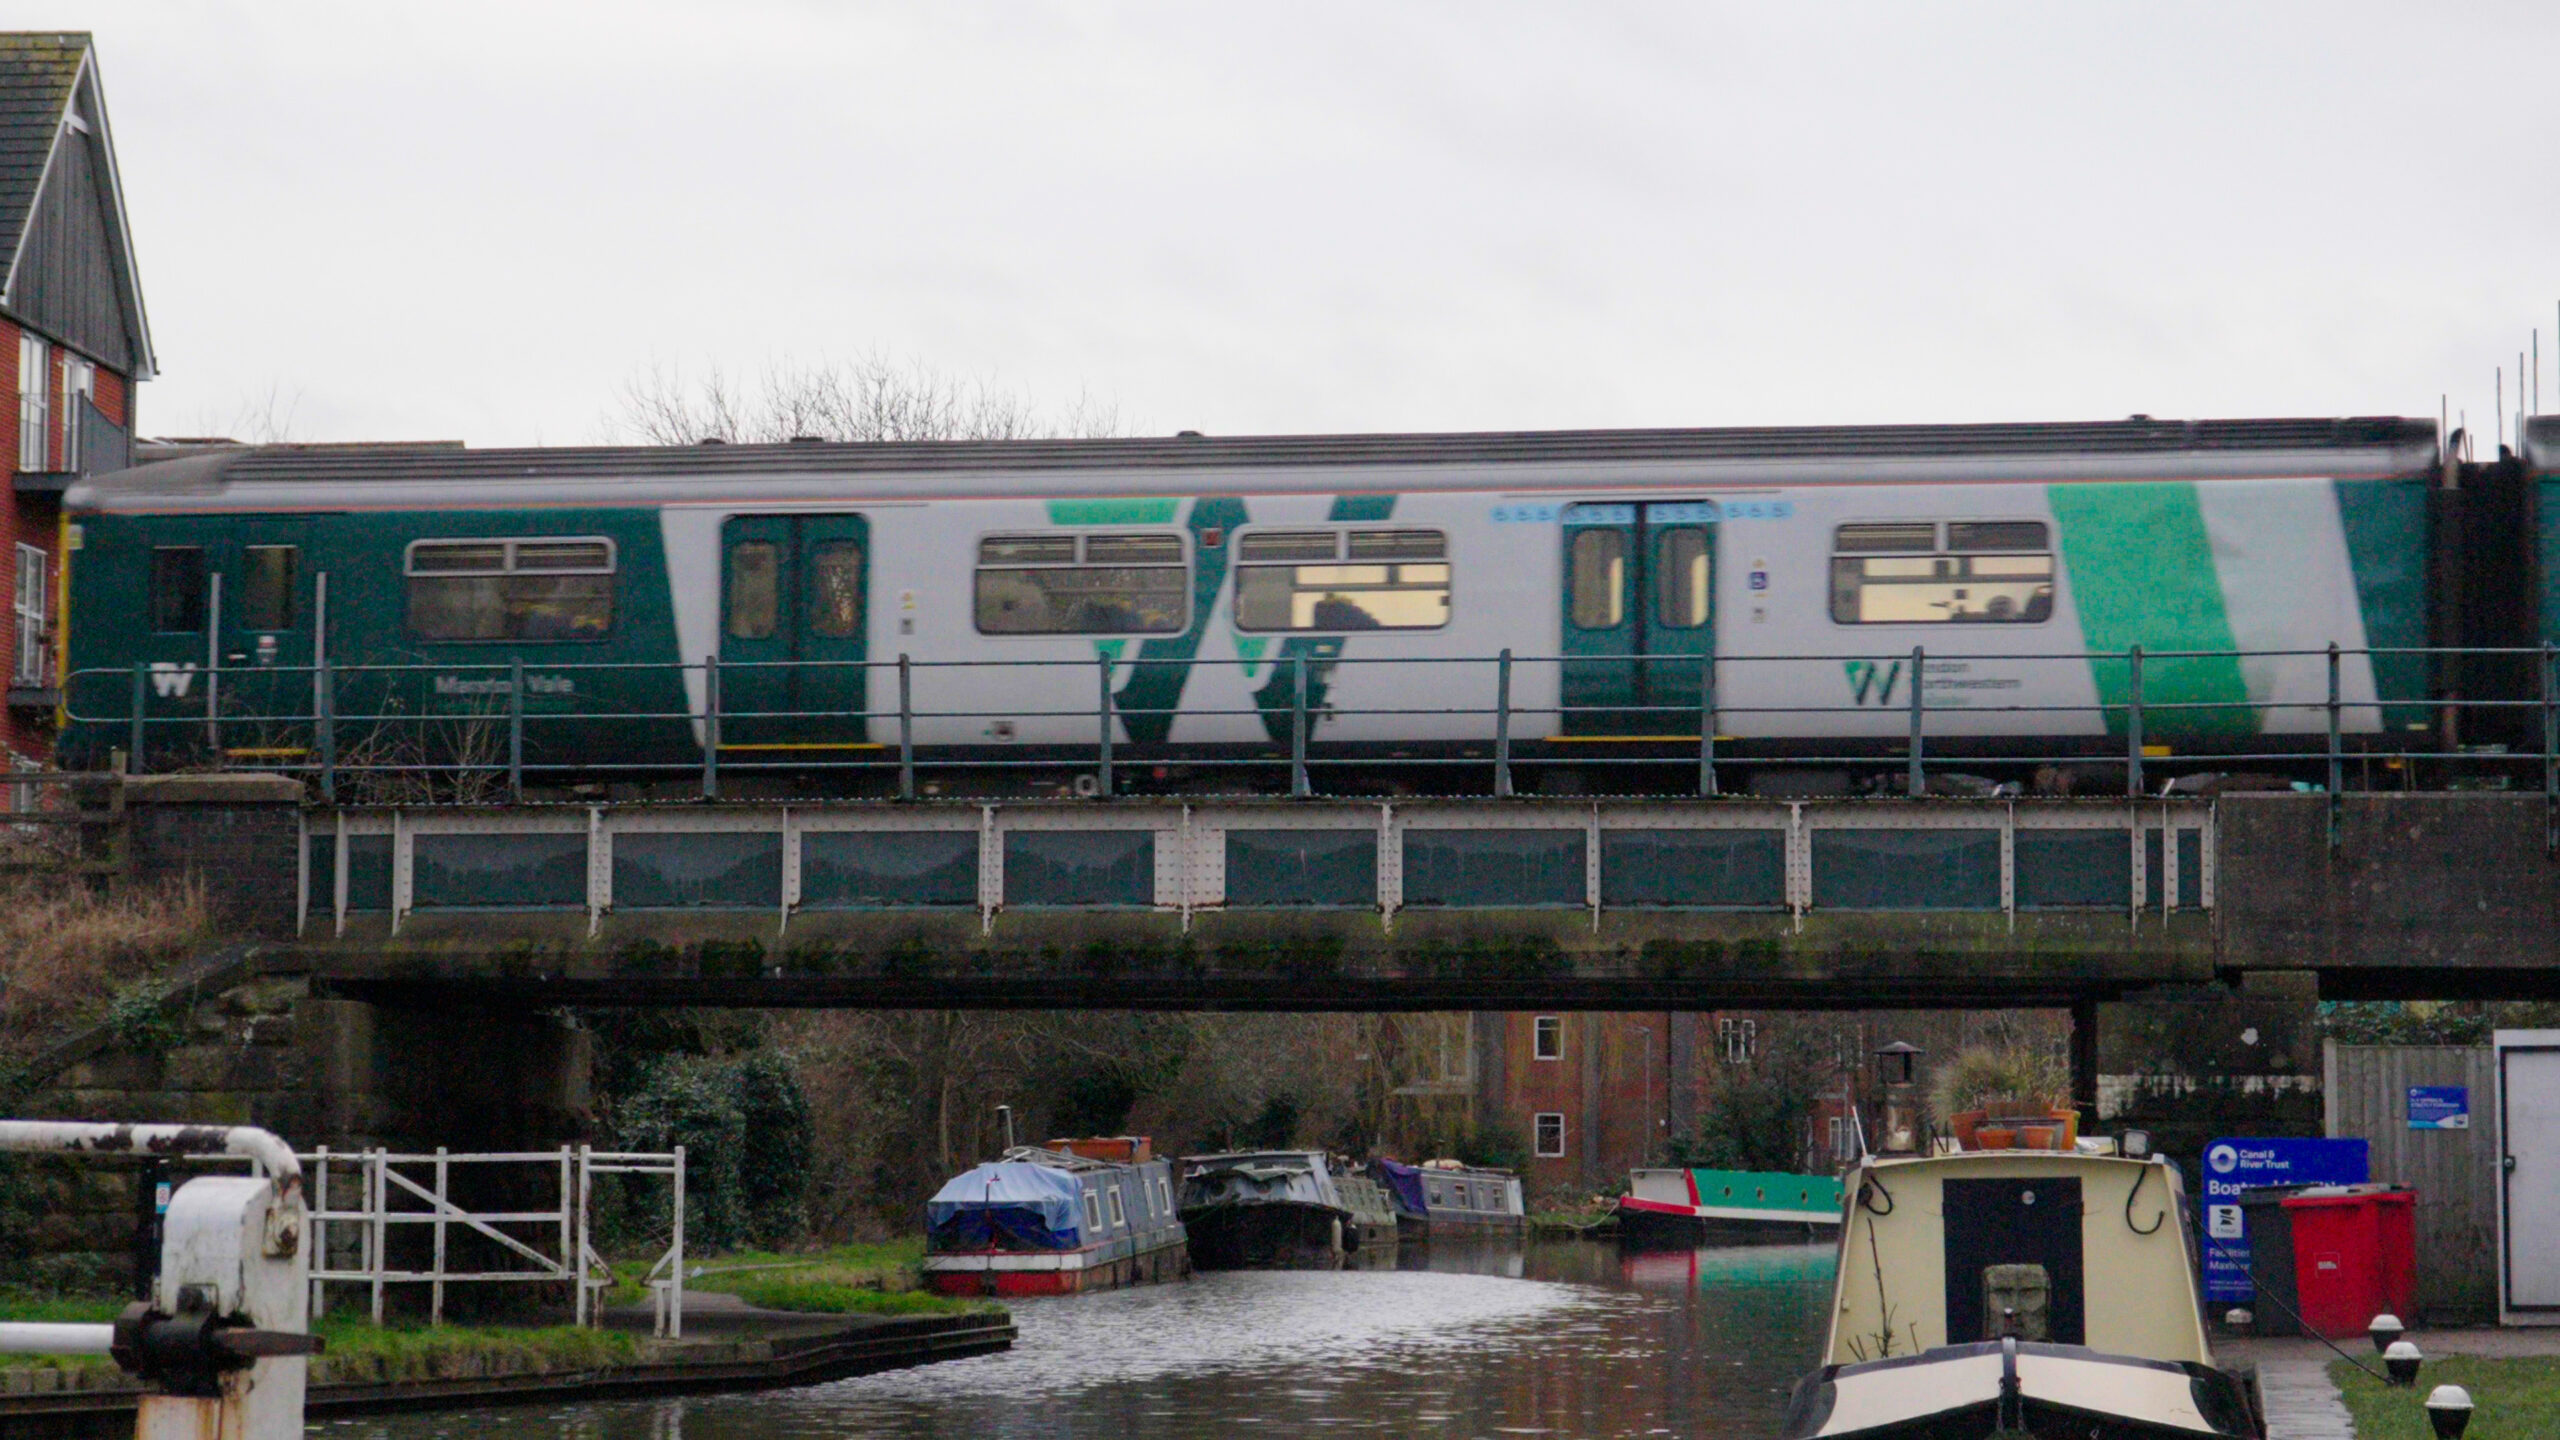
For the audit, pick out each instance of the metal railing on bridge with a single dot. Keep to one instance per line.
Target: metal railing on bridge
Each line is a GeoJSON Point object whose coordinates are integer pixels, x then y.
{"type": "Point", "coordinates": [1905, 716]}
{"type": "Point", "coordinates": [2152, 857]}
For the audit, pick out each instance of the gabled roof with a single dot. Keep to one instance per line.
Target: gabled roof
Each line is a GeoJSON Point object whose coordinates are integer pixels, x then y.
{"type": "Point", "coordinates": [69, 252]}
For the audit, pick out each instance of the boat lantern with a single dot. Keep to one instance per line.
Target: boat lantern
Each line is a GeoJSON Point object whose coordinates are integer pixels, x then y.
{"type": "Point", "coordinates": [2386, 1327]}
{"type": "Point", "coordinates": [2402, 1360]}
{"type": "Point", "coordinates": [1898, 1067]}
{"type": "Point", "coordinates": [2449, 1410]}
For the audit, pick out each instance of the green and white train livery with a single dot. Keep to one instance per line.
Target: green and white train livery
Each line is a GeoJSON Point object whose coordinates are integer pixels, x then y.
{"type": "Point", "coordinates": [1202, 581]}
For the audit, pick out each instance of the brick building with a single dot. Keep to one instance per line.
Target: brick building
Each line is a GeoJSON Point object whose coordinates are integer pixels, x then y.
{"type": "Point", "coordinates": [73, 343]}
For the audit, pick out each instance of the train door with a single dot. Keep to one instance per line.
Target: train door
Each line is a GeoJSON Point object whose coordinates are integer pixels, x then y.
{"type": "Point", "coordinates": [792, 623]}
{"type": "Point", "coordinates": [263, 612]}
{"type": "Point", "coordinates": [1639, 618]}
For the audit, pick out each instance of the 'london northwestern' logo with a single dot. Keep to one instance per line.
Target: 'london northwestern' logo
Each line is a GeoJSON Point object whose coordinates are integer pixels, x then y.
{"type": "Point", "coordinates": [1871, 683]}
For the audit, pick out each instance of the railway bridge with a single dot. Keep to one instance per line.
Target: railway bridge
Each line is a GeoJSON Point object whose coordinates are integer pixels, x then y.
{"type": "Point", "coordinates": [398, 971]}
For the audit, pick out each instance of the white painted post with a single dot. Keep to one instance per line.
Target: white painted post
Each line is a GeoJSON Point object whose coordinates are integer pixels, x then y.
{"type": "Point", "coordinates": [376, 1253]}
{"type": "Point", "coordinates": [675, 1287]}
{"type": "Point", "coordinates": [435, 1304]}
{"type": "Point", "coordinates": [570, 1260]}
{"type": "Point", "coordinates": [320, 1227]}
{"type": "Point", "coordinates": [586, 1304]}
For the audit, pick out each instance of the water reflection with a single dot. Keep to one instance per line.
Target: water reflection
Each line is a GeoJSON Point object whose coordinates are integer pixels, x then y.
{"type": "Point", "coordinates": [1461, 1339]}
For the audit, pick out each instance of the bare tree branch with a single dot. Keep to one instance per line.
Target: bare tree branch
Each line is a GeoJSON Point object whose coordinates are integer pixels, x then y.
{"type": "Point", "coordinates": [872, 398]}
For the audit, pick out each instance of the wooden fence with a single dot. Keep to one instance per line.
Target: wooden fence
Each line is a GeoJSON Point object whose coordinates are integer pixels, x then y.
{"type": "Point", "coordinates": [2455, 1172]}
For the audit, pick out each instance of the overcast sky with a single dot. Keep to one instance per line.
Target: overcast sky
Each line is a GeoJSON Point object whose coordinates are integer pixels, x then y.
{"type": "Point", "coordinates": [477, 221]}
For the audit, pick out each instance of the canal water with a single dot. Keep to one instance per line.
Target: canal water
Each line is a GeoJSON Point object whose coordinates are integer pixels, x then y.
{"type": "Point", "coordinates": [1562, 1338]}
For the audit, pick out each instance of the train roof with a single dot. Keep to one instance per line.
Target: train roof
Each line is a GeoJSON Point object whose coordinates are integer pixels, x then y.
{"type": "Point", "coordinates": [338, 477]}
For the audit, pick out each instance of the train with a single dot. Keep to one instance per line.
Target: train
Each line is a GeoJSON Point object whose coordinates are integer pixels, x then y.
{"type": "Point", "coordinates": [1799, 602]}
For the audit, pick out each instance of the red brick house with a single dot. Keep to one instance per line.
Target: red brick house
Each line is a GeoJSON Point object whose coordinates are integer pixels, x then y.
{"type": "Point", "coordinates": [73, 343]}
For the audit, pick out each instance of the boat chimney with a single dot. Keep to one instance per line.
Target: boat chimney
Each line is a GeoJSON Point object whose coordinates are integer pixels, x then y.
{"type": "Point", "coordinates": [1898, 1068]}
{"type": "Point", "coordinates": [1004, 1118]}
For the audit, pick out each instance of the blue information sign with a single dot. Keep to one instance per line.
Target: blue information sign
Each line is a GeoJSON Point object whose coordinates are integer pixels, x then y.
{"type": "Point", "coordinates": [2439, 1107]}
{"type": "Point", "coordinates": [2235, 1164]}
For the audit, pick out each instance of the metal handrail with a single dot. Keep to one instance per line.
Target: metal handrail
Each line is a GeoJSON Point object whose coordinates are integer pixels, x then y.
{"type": "Point", "coordinates": [1289, 728]}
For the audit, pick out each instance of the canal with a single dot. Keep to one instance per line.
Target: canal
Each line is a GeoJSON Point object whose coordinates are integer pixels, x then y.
{"type": "Point", "coordinates": [1562, 1338]}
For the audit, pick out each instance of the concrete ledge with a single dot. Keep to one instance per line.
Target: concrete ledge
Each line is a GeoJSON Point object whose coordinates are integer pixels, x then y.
{"type": "Point", "coordinates": [212, 788]}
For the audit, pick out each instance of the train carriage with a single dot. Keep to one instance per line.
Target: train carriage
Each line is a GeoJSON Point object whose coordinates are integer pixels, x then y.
{"type": "Point", "coordinates": [639, 607]}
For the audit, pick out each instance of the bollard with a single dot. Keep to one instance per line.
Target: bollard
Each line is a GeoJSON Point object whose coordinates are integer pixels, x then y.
{"type": "Point", "coordinates": [2449, 1411]}
{"type": "Point", "coordinates": [2402, 1360]}
{"type": "Point", "coordinates": [2386, 1327]}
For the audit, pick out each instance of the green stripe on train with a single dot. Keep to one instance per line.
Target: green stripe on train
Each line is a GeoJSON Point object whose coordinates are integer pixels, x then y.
{"type": "Point", "coordinates": [2142, 573]}
{"type": "Point", "coordinates": [2386, 528]}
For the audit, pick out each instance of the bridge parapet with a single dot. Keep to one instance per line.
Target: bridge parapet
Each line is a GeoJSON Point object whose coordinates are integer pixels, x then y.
{"type": "Point", "coordinates": [1388, 858]}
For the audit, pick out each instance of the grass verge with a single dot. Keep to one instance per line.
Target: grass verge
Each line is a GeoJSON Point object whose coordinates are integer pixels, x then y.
{"type": "Point", "coordinates": [359, 1353]}
{"type": "Point", "coordinates": [2512, 1398]}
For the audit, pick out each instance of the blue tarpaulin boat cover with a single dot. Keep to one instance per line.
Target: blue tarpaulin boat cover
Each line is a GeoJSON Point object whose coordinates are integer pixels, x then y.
{"type": "Point", "coordinates": [1404, 1182]}
{"type": "Point", "coordinates": [1005, 1205]}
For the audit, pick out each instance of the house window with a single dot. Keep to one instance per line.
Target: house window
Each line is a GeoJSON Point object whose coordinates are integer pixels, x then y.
{"type": "Point", "coordinates": [1393, 580]}
{"type": "Point", "coordinates": [1119, 1210]}
{"type": "Point", "coordinates": [531, 589]}
{"type": "Point", "coordinates": [35, 403]}
{"type": "Point", "coordinates": [1548, 1043]}
{"type": "Point", "coordinates": [1550, 1134]}
{"type": "Point", "coordinates": [79, 382]}
{"type": "Point", "coordinates": [1982, 572]}
{"type": "Point", "coordinates": [177, 589]}
{"type": "Point", "coordinates": [1082, 585]}
{"type": "Point", "coordinates": [30, 608]}
{"type": "Point", "coordinates": [1734, 1039]}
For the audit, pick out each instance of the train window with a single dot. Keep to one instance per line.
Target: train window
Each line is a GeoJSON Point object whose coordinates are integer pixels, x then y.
{"type": "Point", "coordinates": [1681, 573]}
{"type": "Point", "coordinates": [1599, 580]}
{"type": "Point", "coordinates": [1133, 550]}
{"type": "Point", "coordinates": [1996, 535]}
{"type": "Point", "coordinates": [1990, 572]}
{"type": "Point", "coordinates": [1123, 584]}
{"type": "Point", "coordinates": [1288, 545]}
{"type": "Point", "coordinates": [1384, 595]}
{"type": "Point", "coordinates": [266, 590]}
{"type": "Point", "coordinates": [835, 588]}
{"type": "Point", "coordinates": [755, 589]}
{"type": "Point", "coordinates": [1857, 538]}
{"type": "Point", "coordinates": [1398, 545]}
{"type": "Point", "coordinates": [511, 589]}
{"type": "Point", "coordinates": [177, 588]}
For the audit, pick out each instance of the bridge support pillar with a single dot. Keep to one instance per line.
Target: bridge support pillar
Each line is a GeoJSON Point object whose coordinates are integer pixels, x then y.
{"type": "Point", "coordinates": [2084, 1061]}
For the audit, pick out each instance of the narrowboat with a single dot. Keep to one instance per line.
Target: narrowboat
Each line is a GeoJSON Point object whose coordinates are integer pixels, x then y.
{"type": "Point", "coordinates": [1373, 1213]}
{"type": "Point", "coordinates": [1462, 1200]}
{"type": "Point", "coordinates": [1691, 1207]}
{"type": "Point", "coordinates": [2018, 1292]}
{"type": "Point", "coordinates": [1265, 1210]}
{"type": "Point", "coordinates": [1049, 1221]}
{"type": "Point", "coordinates": [1403, 1184]}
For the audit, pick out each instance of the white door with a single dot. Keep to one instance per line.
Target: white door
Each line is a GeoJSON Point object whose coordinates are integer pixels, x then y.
{"type": "Point", "coordinates": [2529, 1122]}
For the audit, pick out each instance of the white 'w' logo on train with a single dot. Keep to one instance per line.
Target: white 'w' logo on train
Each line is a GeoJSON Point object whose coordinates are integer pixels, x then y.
{"type": "Point", "coordinates": [1870, 683]}
{"type": "Point", "coordinates": [171, 680]}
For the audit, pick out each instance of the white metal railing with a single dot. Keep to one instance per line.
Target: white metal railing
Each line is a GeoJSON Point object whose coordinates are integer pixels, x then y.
{"type": "Point", "coordinates": [414, 1189]}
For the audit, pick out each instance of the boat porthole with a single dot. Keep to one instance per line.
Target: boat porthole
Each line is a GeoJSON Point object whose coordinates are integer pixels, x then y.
{"type": "Point", "coordinates": [2026, 1197]}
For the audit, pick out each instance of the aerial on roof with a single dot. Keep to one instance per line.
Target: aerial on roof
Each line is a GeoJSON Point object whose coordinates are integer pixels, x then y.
{"type": "Point", "coordinates": [70, 272]}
